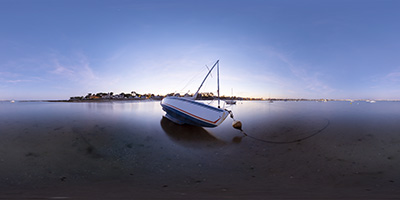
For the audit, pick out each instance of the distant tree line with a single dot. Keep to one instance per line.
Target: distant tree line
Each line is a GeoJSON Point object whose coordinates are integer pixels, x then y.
{"type": "Point", "coordinates": [136, 96]}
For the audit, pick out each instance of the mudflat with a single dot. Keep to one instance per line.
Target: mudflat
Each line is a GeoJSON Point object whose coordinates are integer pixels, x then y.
{"type": "Point", "coordinates": [128, 150]}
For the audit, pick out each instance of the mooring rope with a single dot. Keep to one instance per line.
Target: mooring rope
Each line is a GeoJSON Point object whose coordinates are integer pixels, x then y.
{"type": "Point", "coordinates": [238, 125]}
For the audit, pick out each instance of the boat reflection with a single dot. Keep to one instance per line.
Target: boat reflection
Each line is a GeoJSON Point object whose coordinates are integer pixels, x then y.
{"type": "Point", "coordinates": [189, 135]}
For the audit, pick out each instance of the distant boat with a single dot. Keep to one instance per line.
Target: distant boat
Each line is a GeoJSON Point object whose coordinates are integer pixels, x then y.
{"type": "Point", "coordinates": [12, 101]}
{"type": "Point", "coordinates": [230, 101]}
{"type": "Point", "coordinates": [185, 110]}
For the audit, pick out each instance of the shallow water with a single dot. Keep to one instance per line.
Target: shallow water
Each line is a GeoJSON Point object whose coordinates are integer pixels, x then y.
{"type": "Point", "coordinates": [335, 149]}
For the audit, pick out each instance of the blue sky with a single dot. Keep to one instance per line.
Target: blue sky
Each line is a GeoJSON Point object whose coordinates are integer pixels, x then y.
{"type": "Point", "coordinates": [283, 49]}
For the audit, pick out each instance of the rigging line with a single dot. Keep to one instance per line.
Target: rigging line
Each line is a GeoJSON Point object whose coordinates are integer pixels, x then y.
{"type": "Point", "coordinates": [196, 75]}
{"type": "Point", "coordinates": [288, 142]}
{"type": "Point", "coordinates": [216, 63]}
{"type": "Point", "coordinates": [209, 86]}
{"type": "Point", "coordinates": [209, 70]}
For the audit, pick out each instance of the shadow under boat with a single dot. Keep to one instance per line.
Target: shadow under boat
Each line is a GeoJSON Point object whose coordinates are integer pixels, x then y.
{"type": "Point", "coordinates": [188, 134]}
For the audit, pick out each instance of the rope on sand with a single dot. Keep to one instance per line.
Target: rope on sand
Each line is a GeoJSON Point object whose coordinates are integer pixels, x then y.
{"type": "Point", "coordinates": [238, 125]}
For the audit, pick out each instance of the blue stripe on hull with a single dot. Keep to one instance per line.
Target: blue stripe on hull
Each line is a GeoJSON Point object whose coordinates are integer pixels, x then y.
{"type": "Point", "coordinates": [184, 118]}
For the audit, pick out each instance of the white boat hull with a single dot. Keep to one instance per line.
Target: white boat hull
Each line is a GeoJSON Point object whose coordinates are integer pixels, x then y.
{"type": "Point", "coordinates": [230, 101]}
{"type": "Point", "coordinates": [187, 111]}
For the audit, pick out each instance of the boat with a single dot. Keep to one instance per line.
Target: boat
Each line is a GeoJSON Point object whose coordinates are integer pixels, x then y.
{"type": "Point", "coordinates": [186, 110]}
{"type": "Point", "coordinates": [230, 101]}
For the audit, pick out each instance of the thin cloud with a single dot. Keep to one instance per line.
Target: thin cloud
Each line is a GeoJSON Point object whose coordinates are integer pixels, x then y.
{"type": "Point", "coordinates": [8, 74]}
{"type": "Point", "coordinates": [393, 76]}
{"type": "Point", "coordinates": [302, 79]}
{"type": "Point", "coordinates": [388, 81]}
{"type": "Point", "coordinates": [270, 79]}
{"type": "Point", "coordinates": [386, 78]}
{"type": "Point", "coordinates": [61, 70]}
{"type": "Point", "coordinates": [310, 80]}
{"type": "Point", "coordinates": [73, 69]}
{"type": "Point", "coordinates": [13, 78]}
{"type": "Point", "coordinates": [17, 81]}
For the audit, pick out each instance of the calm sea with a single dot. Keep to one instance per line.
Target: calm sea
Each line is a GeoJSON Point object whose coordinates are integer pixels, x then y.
{"type": "Point", "coordinates": [327, 146]}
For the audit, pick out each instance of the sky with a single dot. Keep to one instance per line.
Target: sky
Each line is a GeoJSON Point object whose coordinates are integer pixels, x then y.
{"type": "Point", "coordinates": [266, 48]}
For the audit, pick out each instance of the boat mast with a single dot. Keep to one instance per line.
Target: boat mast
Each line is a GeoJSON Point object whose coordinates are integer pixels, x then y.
{"type": "Point", "coordinates": [195, 94]}
{"type": "Point", "coordinates": [218, 81]}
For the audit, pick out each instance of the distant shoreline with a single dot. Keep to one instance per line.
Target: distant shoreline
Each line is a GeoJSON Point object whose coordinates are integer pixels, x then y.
{"type": "Point", "coordinates": [86, 100]}
{"type": "Point", "coordinates": [270, 100]}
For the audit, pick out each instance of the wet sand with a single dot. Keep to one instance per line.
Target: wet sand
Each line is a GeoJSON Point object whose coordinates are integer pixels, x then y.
{"type": "Point", "coordinates": [84, 155]}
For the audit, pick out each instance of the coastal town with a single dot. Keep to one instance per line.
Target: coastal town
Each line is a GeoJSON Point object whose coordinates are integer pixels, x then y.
{"type": "Point", "coordinates": [111, 96]}
{"type": "Point", "coordinates": [149, 96]}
